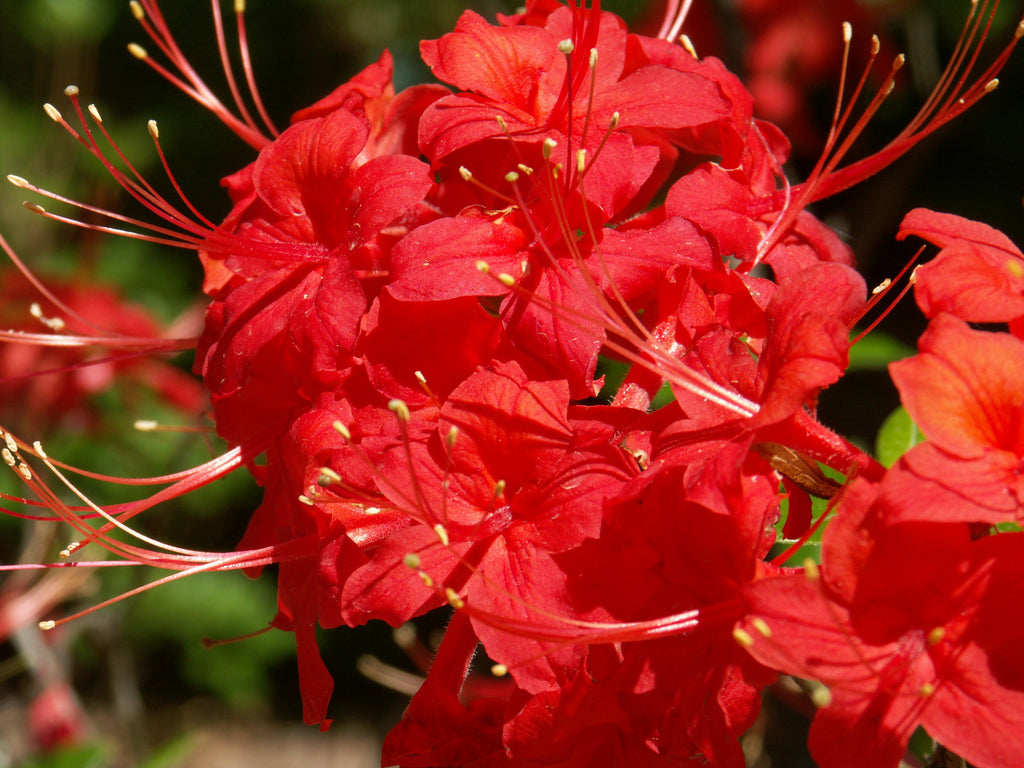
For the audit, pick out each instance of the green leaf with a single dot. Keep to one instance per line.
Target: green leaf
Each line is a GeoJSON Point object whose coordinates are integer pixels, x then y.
{"type": "Point", "coordinates": [876, 350]}
{"type": "Point", "coordinates": [898, 435]}
{"type": "Point", "coordinates": [87, 756]}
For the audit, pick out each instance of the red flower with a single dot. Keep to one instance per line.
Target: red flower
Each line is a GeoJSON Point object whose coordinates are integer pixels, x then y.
{"type": "Point", "coordinates": [977, 276]}
{"type": "Point", "coordinates": [509, 478]}
{"type": "Point", "coordinates": [966, 394]}
{"type": "Point", "coordinates": [908, 625]}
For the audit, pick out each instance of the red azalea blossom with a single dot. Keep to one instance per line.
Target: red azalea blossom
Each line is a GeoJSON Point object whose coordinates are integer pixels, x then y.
{"type": "Point", "coordinates": [966, 393]}
{"type": "Point", "coordinates": [907, 624]}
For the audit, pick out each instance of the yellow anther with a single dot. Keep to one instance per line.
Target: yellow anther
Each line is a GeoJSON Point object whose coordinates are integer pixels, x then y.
{"type": "Point", "coordinates": [52, 112]}
{"type": "Point", "coordinates": [425, 578]}
{"type": "Point", "coordinates": [506, 279]}
{"type": "Point", "coordinates": [847, 32]}
{"type": "Point", "coordinates": [593, 58]}
{"type": "Point", "coordinates": [137, 10]}
{"type": "Point", "coordinates": [899, 61]}
{"type": "Point", "coordinates": [69, 550]}
{"type": "Point", "coordinates": [483, 266]}
{"type": "Point", "coordinates": [548, 147]}
{"type": "Point", "coordinates": [687, 43]}
{"type": "Point", "coordinates": [876, 45]}
{"type": "Point", "coordinates": [743, 637]}
{"type": "Point", "coordinates": [581, 160]}
{"type": "Point", "coordinates": [499, 670]}
{"type": "Point", "coordinates": [811, 570]}
{"type": "Point", "coordinates": [95, 112]}
{"type": "Point", "coordinates": [936, 636]}
{"type": "Point", "coordinates": [451, 437]}
{"type": "Point", "coordinates": [137, 51]}
{"type": "Point", "coordinates": [927, 690]}
{"type": "Point", "coordinates": [153, 129]}
{"type": "Point", "coordinates": [465, 173]}
{"type": "Point", "coordinates": [342, 430]}
{"type": "Point", "coordinates": [400, 409]}
{"type": "Point", "coordinates": [411, 560]}
{"type": "Point", "coordinates": [523, 168]}
{"type": "Point", "coordinates": [565, 46]}
{"type": "Point", "coordinates": [47, 625]}
{"type": "Point", "coordinates": [442, 534]}
{"type": "Point", "coordinates": [18, 181]}
{"type": "Point", "coordinates": [991, 85]}
{"type": "Point", "coordinates": [454, 600]}
{"type": "Point", "coordinates": [511, 177]}
{"type": "Point", "coordinates": [821, 696]}
{"type": "Point", "coordinates": [761, 626]}
{"type": "Point", "coordinates": [239, 6]}
{"type": "Point", "coordinates": [327, 476]}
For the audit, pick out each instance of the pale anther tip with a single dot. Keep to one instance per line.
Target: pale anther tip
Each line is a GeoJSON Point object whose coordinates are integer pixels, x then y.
{"type": "Point", "coordinates": [821, 696]}
{"type": "Point", "coordinates": [71, 90]}
{"type": "Point", "coordinates": [811, 570]}
{"type": "Point", "coordinates": [411, 560]}
{"type": "Point", "coordinates": [743, 637]}
{"type": "Point", "coordinates": [47, 625]}
{"type": "Point", "coordinates": [153, 128]}
{"type": "Point", "coordinates": [18, 181]}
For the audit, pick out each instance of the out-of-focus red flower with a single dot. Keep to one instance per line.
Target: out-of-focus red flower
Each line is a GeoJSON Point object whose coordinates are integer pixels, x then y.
{"type": "Point", "coordinates": [54, 382]}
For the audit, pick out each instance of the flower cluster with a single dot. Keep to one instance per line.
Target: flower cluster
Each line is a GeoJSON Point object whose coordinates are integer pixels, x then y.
{"type": "Point", "coordinates": [415, 304]}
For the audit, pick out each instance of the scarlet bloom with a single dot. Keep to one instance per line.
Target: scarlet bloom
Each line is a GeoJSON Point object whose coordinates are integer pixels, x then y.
{"type": "Point", "coordinates": [966, 393]}
{"type": "Point", "coordinates": [906, 624]}
{"type": "Point", "coordinates": [978, 275]}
